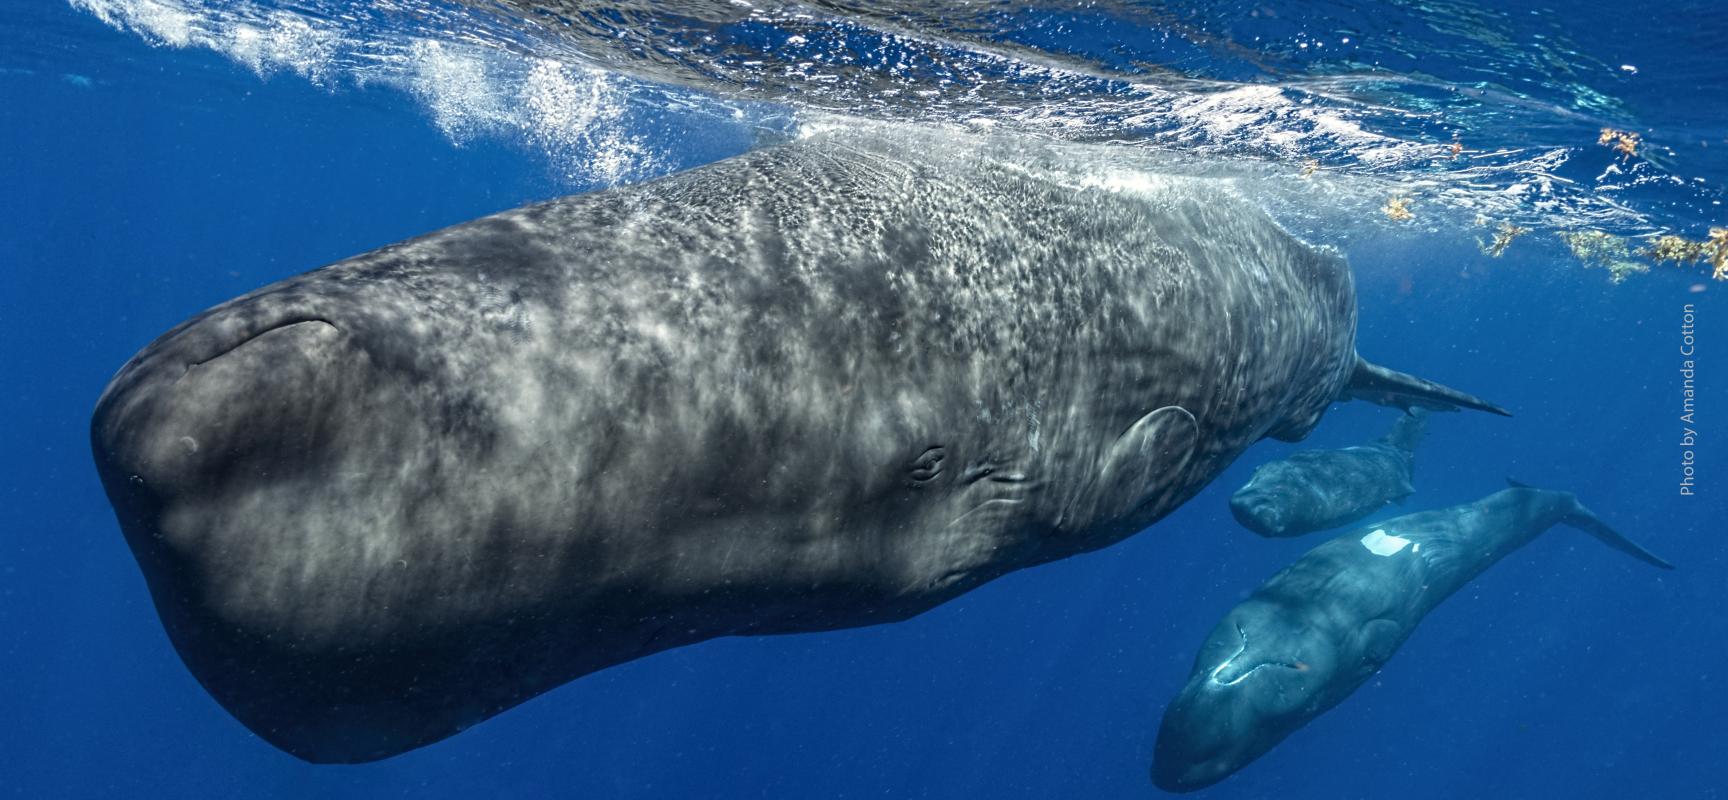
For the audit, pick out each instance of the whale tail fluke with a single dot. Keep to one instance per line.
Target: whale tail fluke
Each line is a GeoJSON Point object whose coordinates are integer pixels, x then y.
{"type": "Point", "coordinates": [1582, 519]}
{"type": "Point", "coordinates": [1586, 520]}
{"type": "Point", "coordinates": [1388, 387]}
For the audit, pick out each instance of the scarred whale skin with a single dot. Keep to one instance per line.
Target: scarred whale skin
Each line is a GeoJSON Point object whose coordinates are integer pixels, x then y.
{"type": "Point", "coordinates": [1312, 490]}
{"type": "Point", "coordinates": [1316, 631]}
{"type": "Point", "coordinates": [827, 384]}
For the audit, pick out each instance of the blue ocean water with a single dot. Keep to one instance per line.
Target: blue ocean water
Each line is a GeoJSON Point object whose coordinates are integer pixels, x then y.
{"type": "Point", "coordinates": [141, 181]}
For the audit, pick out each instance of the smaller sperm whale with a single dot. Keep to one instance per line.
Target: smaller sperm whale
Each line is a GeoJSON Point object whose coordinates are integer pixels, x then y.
{"type": "Point", "coordinates": [1313, 490]}
{"type": "Point", "coordinates": [1313, 633]}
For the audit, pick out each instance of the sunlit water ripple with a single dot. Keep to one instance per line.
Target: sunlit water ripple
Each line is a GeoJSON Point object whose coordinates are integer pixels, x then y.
{"type": "Point", "coordinates": [1475, 116]}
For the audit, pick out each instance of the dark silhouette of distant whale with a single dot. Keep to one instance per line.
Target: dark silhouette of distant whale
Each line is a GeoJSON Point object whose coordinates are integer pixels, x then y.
{"type": "Point", "coordinates": [827, 384]}
{"type": "Point", "coordinates": [1313, 490]}
{"type": "Point", "coordinates": [1313, 633]}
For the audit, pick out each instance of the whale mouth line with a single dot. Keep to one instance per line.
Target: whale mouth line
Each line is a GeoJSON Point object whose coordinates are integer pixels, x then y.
{"type": "Point", "coordinates": [280, 326]}
{"type": "Point", "coordinates": [1214, 677]}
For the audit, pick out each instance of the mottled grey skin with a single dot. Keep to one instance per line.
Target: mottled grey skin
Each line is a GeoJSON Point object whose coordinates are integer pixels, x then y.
{"type": "Point", "coordinates": [1313, 633]}
{"type": "Point", "coordinates": [829, 384]}
{"type": "Point", "coordinates": [1313, 490]}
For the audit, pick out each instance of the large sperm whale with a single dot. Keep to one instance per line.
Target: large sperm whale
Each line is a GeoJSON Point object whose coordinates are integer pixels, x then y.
{"type": "Point", "coordinates": [1316, 631]}
{"type": "Point", "coordinates": [1313, 490]}
{"type": "Point", "coordinates": [831, 383]}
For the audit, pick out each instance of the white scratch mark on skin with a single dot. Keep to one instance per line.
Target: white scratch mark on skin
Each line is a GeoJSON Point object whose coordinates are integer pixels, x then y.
{"type": "Point", "coordinates": [1382, 544]}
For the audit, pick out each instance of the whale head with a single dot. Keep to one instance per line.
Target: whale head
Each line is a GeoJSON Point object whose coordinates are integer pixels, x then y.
{"type": "Point", "coordinates": [1274, 500]}
{"type": "Point", "coordinates": [279, 466]}
{"type": "Point", "coordinates": [1260, 676]}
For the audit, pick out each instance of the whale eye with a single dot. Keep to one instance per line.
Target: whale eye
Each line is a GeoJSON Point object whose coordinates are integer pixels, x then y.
{"type": "Point", "coordinates": [927, 466]}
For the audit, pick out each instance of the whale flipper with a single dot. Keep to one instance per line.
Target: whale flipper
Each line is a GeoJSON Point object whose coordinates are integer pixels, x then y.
{"type": "Point", "coordinates": [1154, 447]}
{"type": "Point", "coordinates": [1389, 387]}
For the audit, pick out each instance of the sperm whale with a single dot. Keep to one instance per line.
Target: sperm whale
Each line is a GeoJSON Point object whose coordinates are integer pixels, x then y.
{"type": "Point", "coordinates": [1315, 632]}
{"type": "Point", "coordinates": [1313, 490]}
{"type": "Point", "coordinates": [831, 383]}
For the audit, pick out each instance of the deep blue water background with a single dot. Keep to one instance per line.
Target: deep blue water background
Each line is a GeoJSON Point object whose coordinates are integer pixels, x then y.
{"type": "Point", "coordinates": [141, 185]}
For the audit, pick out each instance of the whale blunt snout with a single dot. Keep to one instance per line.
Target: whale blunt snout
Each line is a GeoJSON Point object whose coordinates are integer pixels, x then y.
{"type": "Point", "coordinates": [1175, 777]}
{"type": "Point", "coordinates": [204, 444]}
{"type": "Point", "coordinates": [1192, 751]}
{"type": "Point", "coordinates": [1258, 513]}
{"type": "Point", "coordinates": [207, 400]}
{"type": "Point", "coordinates": [258, 466]}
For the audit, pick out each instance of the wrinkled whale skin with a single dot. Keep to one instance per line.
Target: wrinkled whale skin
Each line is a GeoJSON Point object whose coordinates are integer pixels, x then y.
{"type": "Point", "coordinates": [827, 384]}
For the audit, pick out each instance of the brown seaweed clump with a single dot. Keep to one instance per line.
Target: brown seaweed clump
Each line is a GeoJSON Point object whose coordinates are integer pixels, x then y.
{"type": "Point", "coordinates": [1503, 237]}
{"type": "Point", "coordinates": [1678, 249]}
{"type": "Point", "coordinates": [1397, 209]}
{"type": "Point", "coordinates": [1600, 250]}
{"type": "Point", "coordinates": [1624, 142]}
{"type": "Point", "coordinates": [1717, 245]}
{"type": "Point", "coordinates": [1685, 252]}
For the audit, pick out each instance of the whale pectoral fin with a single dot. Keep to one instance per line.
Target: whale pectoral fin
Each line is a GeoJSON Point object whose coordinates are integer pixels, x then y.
{"type": "Point", "coordinates": [1377, 641]}
{"type": "Point", "coordinates": [1143, 464]}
